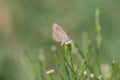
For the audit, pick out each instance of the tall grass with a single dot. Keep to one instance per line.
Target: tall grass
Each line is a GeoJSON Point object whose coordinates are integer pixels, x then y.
{"type": "Point", "coordinates": [68, 65]}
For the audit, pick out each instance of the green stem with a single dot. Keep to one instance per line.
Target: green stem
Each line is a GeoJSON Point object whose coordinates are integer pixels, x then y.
{"type": "Point", "coordinates": [80, 52]}
{"type": "Point", "coordinates": [98, 64]}
{"type": "Point", "coordinates": [81, 73]}
{"type": "Point", "coordinates": [41, 70]}
{"type": "Point", "coordinates": [86, 64]}
{"type": "Point", "coordinates": [61, 77]}
{"type": "Point", "coordinates": [113, 69]}
{"type": "Point", "coordinates": [66, 62]}
{"type": "Point", "coordinates": [51, 76]}
{"type": "Point", "coordinates": [71, 60]}
{"type": "Point", "coordinates": [68, 65]}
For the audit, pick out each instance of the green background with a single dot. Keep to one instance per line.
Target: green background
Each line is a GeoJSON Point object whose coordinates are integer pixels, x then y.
{"type": "Point", "coordinates": [27, 25]}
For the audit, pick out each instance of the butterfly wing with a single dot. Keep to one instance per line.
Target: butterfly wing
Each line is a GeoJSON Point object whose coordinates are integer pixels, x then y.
{"type": "Point", "coordinates": [56, 27]}
{"type": "Point", "coordinates": [58, 36]}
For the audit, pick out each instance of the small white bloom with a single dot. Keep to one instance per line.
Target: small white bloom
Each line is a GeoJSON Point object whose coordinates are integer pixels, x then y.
{"type": "Point", "coordinates": [99, 77]}
{"type": "Point", "coordinates": [41, 57]}
{"type": "Point", "coordinates": [106, 71]}
{"type": "Point", "coordinates": [53, 48]}
{"type": "Point", "coordinates": [85, 74]}
{"type": "Point", "coordinates": [50, 71]}
{"type": "Point", "coordinates": [91, 76]}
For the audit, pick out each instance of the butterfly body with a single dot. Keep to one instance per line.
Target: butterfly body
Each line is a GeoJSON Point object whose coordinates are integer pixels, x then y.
{"type": "Point", "coordinates": [59, 35]}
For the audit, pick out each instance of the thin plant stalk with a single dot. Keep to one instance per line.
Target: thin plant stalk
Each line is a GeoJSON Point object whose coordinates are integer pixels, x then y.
{"type": "Point", "coordinates": [69, 61]}
{"type": "Point", "coordinates": [80, 52]}
{"type": "Point", "coordinates": [86, 64]}
{"type": "Point", "coordinates": [98, 38]}
{"type": "Point", "coordinates": [51, 76]}
{"type": "Point", "coordinates": [65, 60]}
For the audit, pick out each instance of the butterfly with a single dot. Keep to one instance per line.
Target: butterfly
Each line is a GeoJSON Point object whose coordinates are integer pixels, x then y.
{"type": "Point", "coordinates": [59, 35]}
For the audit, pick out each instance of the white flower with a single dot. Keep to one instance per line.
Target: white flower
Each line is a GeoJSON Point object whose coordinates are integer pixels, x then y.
{"type": "Point", "coordinates": [53, 48]}
{"type": "Point", "coordinates": [99, 77]}
{"type": "Point", "coordinates": [50, 71]}
{"type": "Point", "coordinates": [41, 57]}
{"type": "Point", "coordinates": [85, 74]}
{"type": "Point", "coordinates": [91, 76]}
{"type": "Point", "coordinates": [106, 71]}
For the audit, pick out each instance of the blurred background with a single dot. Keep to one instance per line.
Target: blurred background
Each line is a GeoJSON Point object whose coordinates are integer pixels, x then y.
{"type": "Point", "coordinates": [26, 27]}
